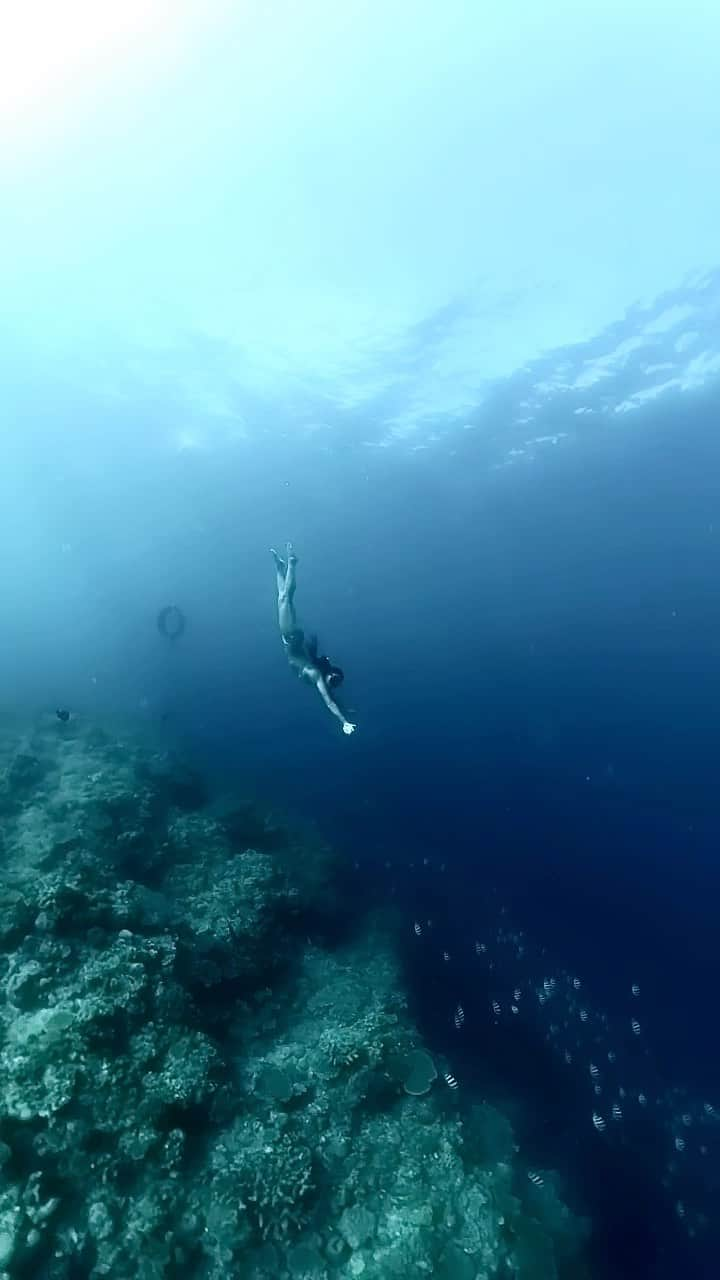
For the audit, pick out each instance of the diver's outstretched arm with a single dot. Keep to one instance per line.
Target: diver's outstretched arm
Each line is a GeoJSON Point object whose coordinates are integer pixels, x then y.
{"type": "Point", "coordinates": [332, 706]}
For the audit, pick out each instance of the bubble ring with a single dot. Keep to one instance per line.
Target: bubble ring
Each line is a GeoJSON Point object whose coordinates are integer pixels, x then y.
{"type": "Point", "coordinates": [171, 622]}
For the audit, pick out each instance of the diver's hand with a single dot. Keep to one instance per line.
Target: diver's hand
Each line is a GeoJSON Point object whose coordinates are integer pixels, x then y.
{"type": "Point", "coordinates": [348, 727]}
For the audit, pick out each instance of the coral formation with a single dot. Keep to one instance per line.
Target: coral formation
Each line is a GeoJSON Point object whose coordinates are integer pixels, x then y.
{"type": "Point", "coordinates": [188, 1084]}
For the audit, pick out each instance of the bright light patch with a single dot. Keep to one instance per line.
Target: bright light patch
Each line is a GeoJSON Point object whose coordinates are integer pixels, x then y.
{"type": "Point", "coordinates": [52, 52]}
{"type": "Point", "coordinates": [186, 441]}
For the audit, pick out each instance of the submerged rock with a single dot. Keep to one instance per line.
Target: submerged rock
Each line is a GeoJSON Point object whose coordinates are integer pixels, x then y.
{"type": "Point", "coordinates": [188, 1085]}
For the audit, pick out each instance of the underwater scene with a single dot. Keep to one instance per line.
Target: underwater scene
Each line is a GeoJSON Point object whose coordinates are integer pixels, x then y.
{"type": "Point", "coordinates": [359, 635]}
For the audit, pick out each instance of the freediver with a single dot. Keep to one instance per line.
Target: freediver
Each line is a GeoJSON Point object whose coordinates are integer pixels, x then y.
{"type": "Point", "coordinates": [301, 651]}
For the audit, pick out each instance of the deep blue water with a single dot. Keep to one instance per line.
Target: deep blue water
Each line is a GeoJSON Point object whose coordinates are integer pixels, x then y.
{"type": "Point", "coordinates": [224, 238]}
{"type": "Point", "coordinates": [531, 657]}
{"type": "Point", "coordinates": [538, 711]}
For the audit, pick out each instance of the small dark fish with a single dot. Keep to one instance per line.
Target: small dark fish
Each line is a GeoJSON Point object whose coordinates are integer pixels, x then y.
{"type": "Point", "coordinates": [62, 714]}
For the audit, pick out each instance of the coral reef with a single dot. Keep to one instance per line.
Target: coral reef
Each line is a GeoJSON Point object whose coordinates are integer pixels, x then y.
{"type": "Point", "coordinates": [191, 1086]}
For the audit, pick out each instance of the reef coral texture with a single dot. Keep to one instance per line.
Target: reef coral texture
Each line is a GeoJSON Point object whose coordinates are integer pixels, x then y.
{"type": "Point", "coordinates": [191, 1086]}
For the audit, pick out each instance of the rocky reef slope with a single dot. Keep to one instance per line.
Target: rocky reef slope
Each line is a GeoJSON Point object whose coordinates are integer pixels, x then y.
{"type": "Point", "coordinates": [201, 1074]}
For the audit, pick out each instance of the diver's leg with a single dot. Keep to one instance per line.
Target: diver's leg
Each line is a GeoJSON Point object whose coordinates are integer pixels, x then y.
{"type": "Point", "coordinates": [291, 571]}
{"type": "Point", "coordinates": [280, 569]}
{"type": "Point", "coordinates": [286, 590]}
